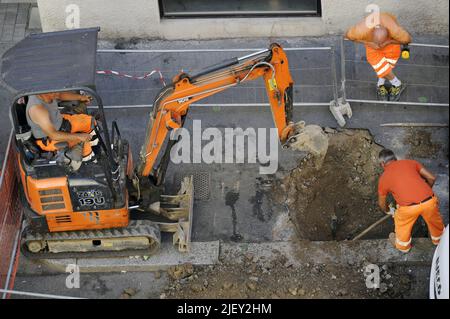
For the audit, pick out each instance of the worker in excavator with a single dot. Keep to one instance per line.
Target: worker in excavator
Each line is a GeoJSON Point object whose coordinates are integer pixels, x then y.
{"type": "Point", "coordinates": [52, 130]}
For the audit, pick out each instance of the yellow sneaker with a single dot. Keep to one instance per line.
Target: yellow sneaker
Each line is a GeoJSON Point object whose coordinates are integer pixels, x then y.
{"type": "Point", "coordinates": [382, 93]}
{"type": "Point", "coordinates": [395, 92]}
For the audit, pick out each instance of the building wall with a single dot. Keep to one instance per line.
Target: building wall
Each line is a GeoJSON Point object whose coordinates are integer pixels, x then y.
{"type": "Point", "coordinates": [140, 18]}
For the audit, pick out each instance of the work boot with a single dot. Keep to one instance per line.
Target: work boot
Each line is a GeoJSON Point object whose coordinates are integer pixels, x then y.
{"type": "Point", "coordinates": [74, 157]}
{"type": "Point", "coordinates": [392, 240]}
{"type": "Point", "coordinates": [382, 93]}
{"type": "Point", "coordinates": [395, 92]}
{"type": "Point", "coordinates": [75, 153]}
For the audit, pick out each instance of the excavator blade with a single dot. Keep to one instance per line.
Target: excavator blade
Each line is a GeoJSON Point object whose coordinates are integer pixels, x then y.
{"type": "Point", "coordinates": [179, 208]}
{"type": "Point", "coordinates": [308, 138]}
{"type": "Point", "coordinates": [172, 213]}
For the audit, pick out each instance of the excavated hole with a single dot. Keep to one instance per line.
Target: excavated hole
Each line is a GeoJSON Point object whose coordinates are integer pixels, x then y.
{"type": "Point", "coordinates": [338, 200]}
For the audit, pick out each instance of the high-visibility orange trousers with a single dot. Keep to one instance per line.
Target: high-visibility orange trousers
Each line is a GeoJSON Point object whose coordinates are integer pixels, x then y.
{"type": "Point", "coordinates": [406, 216]}
{"type": "Point", "coordinates": [79, 123]}
{"type": "Point", "coordinates": [383, 60]}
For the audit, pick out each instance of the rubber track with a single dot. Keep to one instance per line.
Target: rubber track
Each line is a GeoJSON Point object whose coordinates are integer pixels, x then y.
{"type": "Point", "coordinates": [136, 228]}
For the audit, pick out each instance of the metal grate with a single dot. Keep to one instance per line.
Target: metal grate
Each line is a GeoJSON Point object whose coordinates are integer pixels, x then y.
{"type": "Point", "coordinates": [63, 219]}
{"type": "Point", "coordinates": [202, 182]}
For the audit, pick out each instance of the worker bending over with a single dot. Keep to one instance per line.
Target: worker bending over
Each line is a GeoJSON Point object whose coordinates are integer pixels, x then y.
{"type": "Point", "coordinates": [51, 128]}
{"type": "Point", "coordinates": [382, 39]}
{"type": "Point", "coordinates": [410, 184]}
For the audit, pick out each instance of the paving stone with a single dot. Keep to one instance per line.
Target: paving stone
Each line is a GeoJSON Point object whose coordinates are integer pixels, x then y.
{"type": "Point", "coordinates": [202, 253]}
{"type": "Point", "coordinates": [34, 19]}
{"type": "Point", "coordinates": [7, 33]}
{"type": "Point", "coordinates": [20, 2]}
{"type": "Point", "coordinates": [22, 16]}
{"type": "Point", "coordinates": [19, 32]}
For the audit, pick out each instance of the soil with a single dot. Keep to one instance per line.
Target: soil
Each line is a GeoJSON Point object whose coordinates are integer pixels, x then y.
{"type": "Point", "coordinates": [278, 279]}
{"type": "Point", "coordinates": [421, 144]}
{"type": "Point", "coordinates": [337, 200]}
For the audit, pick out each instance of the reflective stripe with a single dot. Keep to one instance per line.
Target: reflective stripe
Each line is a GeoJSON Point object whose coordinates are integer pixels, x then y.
{"type": "Point", "coordinates": [404, 250]}
{"type": "Point", "coordinates": [391, 61]}
{"type": "Point", "coordinates": [88, 157]}
{"type": "Point", "coordinates": [403, 243]}
{"type": "Point", "coordinates": [384, 69]}
{"type": "Point", "coordinates": [436, 238]}
{"type": "Point", "coordinates": [376, 66]}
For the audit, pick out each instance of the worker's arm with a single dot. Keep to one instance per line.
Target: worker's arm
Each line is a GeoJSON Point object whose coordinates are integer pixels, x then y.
{"type": "Point", "coordinates": [382, 203]}
{"type": "Point", "coordinates": [354, 33]}
{"type": "Point", "coordinates": [430, 178]}
{"type": "Point", "coordinates": [70, 96]}
{"type": "Point", "coordinates": [358, 33]}
{"type": "Point", "coordinates": [39, 115]}
{"type": "Point", "coordinates": [397, 34]}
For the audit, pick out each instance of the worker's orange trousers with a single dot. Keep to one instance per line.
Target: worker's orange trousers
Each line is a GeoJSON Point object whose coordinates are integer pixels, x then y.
{"type": "Point", "coordinates": [383, 60]}
{"type": "Point", "coordinates": [79, 123]}
{"type": "Point", "coordinates": [406, 216]}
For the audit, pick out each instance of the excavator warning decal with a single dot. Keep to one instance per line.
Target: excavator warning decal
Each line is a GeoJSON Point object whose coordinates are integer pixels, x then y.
{"type": "Point", "coordinates": [272, 84]}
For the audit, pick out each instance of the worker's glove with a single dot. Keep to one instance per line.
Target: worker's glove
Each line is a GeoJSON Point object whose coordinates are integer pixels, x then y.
{"type": "Point", "coordinates": [391, 211]}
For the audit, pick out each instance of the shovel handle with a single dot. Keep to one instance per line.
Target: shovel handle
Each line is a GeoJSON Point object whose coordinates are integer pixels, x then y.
{"type": "Point", "coordinates": [381, 220]}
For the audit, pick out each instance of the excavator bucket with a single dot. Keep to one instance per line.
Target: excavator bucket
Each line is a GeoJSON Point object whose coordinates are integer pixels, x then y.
{"type": "Point", "coordinates": [308, 138]}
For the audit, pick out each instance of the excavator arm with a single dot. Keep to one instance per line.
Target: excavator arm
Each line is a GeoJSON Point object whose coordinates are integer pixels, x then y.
{"type": "Point", "coordinates": [172, 103]}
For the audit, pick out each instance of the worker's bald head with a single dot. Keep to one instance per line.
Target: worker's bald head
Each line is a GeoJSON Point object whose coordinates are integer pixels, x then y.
{"type": "Point", "coordinates": [380, 35]}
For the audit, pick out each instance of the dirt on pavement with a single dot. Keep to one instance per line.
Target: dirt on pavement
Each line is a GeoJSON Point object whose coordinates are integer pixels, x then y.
{"type": "Point", "coordinates": [421, 144]}
{"type": "Point", "coordinates": [253, 278]}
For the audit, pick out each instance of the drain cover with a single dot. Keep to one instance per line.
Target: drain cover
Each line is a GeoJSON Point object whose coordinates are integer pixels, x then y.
{"type": "Point", "coordinates": [202, 181]}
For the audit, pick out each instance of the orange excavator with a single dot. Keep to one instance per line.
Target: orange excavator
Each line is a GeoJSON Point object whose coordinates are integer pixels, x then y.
{"type": "Point", "coordinates": [88, 211]}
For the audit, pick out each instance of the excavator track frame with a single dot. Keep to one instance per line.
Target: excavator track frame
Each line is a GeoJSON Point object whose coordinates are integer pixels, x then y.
{"type": "Point", "coordinates": [176, 208]}
{"type": "Point", "coordinates": [135, 229]}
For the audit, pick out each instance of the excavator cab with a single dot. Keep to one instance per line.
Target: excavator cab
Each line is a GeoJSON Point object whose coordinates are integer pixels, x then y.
{"type": "Point", "coordinates": [61, 204]}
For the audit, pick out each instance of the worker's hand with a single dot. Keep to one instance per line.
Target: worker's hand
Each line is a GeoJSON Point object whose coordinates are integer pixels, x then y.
{"type": "Point", "coordinates": [83, 137]}
{"type": "Point", "coordinates": [386, 43]}
{"type": "Point", "coordinates": [86, 99]}
{"type": "Point", "coordinates": [391, 211]}
{"type": "Point", "coordinates": [374, 45]}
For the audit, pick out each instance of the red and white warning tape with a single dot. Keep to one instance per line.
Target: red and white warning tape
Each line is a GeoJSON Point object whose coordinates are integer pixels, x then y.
{"type": "Point", "coordinates": [143, 77]}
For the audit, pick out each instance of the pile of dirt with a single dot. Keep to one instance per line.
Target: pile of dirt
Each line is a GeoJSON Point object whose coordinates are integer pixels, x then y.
{"type": "Point", "coordinates": [421, 144]}
{"type": "Point", "coordinates": [337, 200]}
{"type": "Point", "coordinates": [248, 277]}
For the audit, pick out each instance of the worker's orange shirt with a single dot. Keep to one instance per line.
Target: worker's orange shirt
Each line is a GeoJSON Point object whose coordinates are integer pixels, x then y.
{"type": "Point", "coordinates": [402, 179]}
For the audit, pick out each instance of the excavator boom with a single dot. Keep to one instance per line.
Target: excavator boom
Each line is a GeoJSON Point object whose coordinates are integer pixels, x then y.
{"type": "Point", "coordinates": [172, 103]}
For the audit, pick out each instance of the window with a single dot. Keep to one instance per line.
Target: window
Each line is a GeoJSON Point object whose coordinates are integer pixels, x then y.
{"type": "Point", "coordinates": [238, 8]}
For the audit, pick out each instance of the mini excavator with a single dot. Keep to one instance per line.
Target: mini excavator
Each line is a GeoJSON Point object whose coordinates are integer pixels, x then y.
{"type": "Point", "coordinates": [88, 211]}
